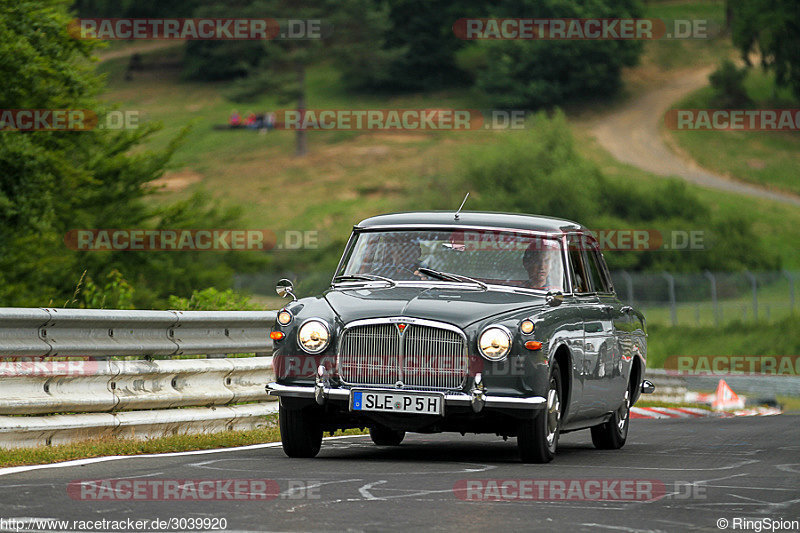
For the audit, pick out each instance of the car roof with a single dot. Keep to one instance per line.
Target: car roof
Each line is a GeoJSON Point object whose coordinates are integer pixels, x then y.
{"type": "Point", "coordinates": [472, 218]}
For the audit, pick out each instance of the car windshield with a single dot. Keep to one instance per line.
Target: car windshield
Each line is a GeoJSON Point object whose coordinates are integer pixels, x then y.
{"type": "Point", "coordinates": [486, 256]}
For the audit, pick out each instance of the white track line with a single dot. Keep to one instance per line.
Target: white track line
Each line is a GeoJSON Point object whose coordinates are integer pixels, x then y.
{"type": "Point", "coordinates": [81, 462]}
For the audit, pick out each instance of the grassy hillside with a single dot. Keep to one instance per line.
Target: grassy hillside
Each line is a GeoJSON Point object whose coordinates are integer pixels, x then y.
{"type": "Point", "coordinates": [771, 159]}
{"type": "Point", "coordinates": [351, 175]}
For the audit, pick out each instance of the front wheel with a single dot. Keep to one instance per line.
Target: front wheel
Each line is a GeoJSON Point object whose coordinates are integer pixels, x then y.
{"type": "Point", "coordinates": [301, 432]}
{"type": "Point", "coordinates": [613, 434]}
{"type": "Point", "coordinates": [537, 439]}
{"type": "Point", "coordinates": [383, 436]}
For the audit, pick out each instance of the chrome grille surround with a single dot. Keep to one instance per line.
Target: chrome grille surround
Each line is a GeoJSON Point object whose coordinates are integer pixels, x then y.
{"type": "Point", "coordinates": [427, 355]}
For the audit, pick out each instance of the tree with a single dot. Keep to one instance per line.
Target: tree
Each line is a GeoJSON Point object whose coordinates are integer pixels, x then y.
{"type": "Point", "coordinates": [542, 73]}
{"type": "Point", "coordinates": [54, 181]}
{"type": "Point", "coordinates": [772, 29]}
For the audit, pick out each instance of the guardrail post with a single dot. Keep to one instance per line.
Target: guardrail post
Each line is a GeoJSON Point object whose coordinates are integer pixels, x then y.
{"type": "Point", "coordinates": [629, 285]}
{"type": "Point", "coordinates": [791, 290]}
{"type": "Point", "coordinates": [714, 303]}
{"type": "Point", "coordinates": [754, 285]}
{"type": "Point", "coordinates": [673, 312]}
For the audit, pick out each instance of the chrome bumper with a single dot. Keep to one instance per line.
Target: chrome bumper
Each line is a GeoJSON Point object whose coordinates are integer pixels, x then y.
{"type": "Point", "coordinates": [477, 400]}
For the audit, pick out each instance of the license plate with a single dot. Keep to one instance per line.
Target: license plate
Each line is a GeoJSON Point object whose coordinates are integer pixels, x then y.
{"type": "Point", "coordinates": [396, 402]}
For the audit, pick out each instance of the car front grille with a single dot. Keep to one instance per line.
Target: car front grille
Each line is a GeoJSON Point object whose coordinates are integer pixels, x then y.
{"type": "Point", "coordinates": [421, 357]}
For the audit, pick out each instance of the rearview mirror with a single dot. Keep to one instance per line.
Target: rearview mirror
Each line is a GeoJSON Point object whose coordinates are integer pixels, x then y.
{"type": "Point", "coordinates": [285, 288]}
{"type": "Point", "coordinates": [554, 298]}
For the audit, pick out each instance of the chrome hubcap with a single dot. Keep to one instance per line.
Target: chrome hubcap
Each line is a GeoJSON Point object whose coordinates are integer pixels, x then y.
{"type": "Point", "coordinates": [622, 414]}
{"type": "Point", "coordinates": [553, 413]}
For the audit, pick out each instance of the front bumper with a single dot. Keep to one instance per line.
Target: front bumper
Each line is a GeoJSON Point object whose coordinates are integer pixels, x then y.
{"type": "Point", "coordinates": [476, 398]}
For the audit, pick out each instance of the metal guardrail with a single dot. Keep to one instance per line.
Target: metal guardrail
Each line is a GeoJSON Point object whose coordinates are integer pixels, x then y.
{"type": "Point", "coordinates": [63, 401]}
{"type": "Point", "coordinates": [44, 332]}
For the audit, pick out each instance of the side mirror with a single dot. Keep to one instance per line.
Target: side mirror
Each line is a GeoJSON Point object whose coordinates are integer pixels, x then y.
{"type": "Point", "coordinates": [648, 387]}
{"type": "Point", "coordinates": [554, 298]}
{"type": "Point", "coordinates": [285, 288]}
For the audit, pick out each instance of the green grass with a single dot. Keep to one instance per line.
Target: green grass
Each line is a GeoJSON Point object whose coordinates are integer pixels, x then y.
{"type": "Point", "coordinates": [670, 54]}
{"type": "Point", "coordinates": [112, 446]}
{"type": "Point", "coordinates": [779, 338]}
{"type": "Point", "coordinates": [776, 224]}
{"type": "Point", "coordinates": [790, 404]}
{"type": "Point", "coordinates": [770, 159]}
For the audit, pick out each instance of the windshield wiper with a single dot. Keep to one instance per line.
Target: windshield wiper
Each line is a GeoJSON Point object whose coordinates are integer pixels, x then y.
{"type": "Point", "coordinates": [447, 276]}
{"type": "Point", "coordinates": [365, 277]}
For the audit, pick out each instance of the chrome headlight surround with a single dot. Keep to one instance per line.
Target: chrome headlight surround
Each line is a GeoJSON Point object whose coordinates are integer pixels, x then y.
{"type": "Point", "coordinates": [494, 342]}
{"type": "Point", "coordinates": [284, 317]}
{"type": "Point", "coordinates": [311, 331]}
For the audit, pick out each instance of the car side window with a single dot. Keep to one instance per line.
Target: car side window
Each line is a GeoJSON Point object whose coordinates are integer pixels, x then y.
{"type": "Point", "coordinates": [604, 272]}
{"type": "Point", "coordinates": [580, 281]}
{"type": "Point", "coordinates": [596, 272]}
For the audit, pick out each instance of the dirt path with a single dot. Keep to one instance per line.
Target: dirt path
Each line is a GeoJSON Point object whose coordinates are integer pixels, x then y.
{"type": "Point", "coordinates": [633, 135]}
{"type": "Point", "coordinates": [141, 48]}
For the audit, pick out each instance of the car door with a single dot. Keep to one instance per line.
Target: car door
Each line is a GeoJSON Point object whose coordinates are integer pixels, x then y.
{"type": "Point", "coordinates": [594, 334]}
{"type": "Point", "coordinates": [608, 379]}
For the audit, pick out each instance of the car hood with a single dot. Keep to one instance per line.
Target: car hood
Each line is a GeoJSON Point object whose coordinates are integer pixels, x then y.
{"type": "Point", "coordinates": [457, 306]}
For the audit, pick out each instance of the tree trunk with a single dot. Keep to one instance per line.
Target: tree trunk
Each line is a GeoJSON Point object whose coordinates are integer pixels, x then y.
{"type": "Point", "coordinates": [300, 147]}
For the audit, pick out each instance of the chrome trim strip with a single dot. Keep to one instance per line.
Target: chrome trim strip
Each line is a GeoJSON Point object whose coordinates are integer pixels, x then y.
{"type": "Point", "coordinates": [454, 399]}
{"type": "Point", "coordinates": [555, 235]}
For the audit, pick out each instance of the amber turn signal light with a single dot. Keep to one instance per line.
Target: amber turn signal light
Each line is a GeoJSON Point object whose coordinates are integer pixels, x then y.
{"type": "Point", "coordinates": [276, 335]}
{"type": "Point", "coordinates": [533, 345]}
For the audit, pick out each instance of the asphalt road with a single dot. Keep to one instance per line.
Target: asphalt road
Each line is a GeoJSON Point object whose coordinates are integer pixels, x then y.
{"type": "Point", "coordinates": [706, 468]}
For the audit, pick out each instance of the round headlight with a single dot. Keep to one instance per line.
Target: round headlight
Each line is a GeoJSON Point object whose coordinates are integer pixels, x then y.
{"type": "Point", "coordinates": [313, 336]}
{"type": "Point", "coordinates": [284, 317]}
{"type": "Point", "coordinates": [494, 343]}
{"type": "Point", "coordinates": [526, 327]}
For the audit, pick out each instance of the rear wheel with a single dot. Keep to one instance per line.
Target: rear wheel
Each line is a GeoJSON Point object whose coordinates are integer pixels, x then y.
{"type": "Point", "coordinates": [301, 432]}
{"type": "Point", "coordinates": [383, 436]}
{"type": "Point", "coordinates": [613, 434]}
{"type": "Point", "coordinates": [537, 439]}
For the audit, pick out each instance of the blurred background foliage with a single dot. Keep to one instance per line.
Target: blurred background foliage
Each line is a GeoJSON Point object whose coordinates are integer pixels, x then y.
{"type": "Point", "coordinates": [403, 51]}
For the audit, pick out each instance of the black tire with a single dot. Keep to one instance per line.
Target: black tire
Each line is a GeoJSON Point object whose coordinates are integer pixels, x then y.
{"type": "Point", "coordinates": [537, 439]}
{"type": "Point", "coordinates": [613, 434]}
{"type": "Point", "coordinates": [301, 432]}
{"type": "Point", "coordinates": [383, 436]}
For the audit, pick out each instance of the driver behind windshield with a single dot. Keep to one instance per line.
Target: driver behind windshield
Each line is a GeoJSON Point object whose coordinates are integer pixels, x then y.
{"type": "Point", "coordinates": [536, 264]}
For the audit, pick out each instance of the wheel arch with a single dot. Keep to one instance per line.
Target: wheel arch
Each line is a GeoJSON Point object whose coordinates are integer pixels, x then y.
{"type": "Point", "coordinates": [563, 356]}
{"type": "Point", "coordinates": [637, 374]}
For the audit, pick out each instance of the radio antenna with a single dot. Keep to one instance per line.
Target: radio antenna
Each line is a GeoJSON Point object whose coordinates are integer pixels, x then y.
{"type": "Point", "coordinates": [462, 206]}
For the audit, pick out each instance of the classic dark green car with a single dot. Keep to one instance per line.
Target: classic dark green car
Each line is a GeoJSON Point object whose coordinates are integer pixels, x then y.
{"type": "Point", "coordinates": [467, 322]}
